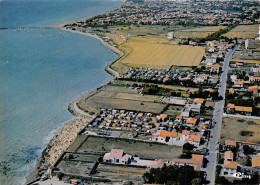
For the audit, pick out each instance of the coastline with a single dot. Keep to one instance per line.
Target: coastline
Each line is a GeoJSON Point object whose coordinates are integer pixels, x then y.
{"type": "Point", "coordinates": [49, 155]}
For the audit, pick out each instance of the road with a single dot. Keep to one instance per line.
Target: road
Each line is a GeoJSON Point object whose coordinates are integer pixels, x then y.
{"type": "Point", "coordinates": [217, 117]}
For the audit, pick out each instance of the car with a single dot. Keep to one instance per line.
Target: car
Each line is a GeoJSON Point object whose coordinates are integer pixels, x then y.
{"type": "Point", "coordinates": [44, 178]}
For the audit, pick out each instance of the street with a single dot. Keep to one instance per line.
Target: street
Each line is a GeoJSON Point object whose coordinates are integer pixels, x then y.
{"type": "Point", "coordinates": [217, 117]}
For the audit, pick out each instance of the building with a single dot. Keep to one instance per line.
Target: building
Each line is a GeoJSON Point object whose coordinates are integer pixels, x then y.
{"type": "Point", "coordinates": [196, 161]}
{"type": "Point", "coordinates": [247, 43]}
{"type": "Point", "coordinates": [229, 168]}
{"type": "Point", "coordinates": [170, 138]}
{"type": "Point", "coordinates": [256, 164]}
{"type": "Point", "coordinates": [116, 156]}
{"type": "Point", "coordinates": [194, 140]}
{"type": "Point", "coordinates": [229, 156]}
{"type": "Point", "coordinates": [231, 144]}
{"type": "Point", "coordinates": [191, 108]}
{"type": "Point", "coordinates": [170, 35]}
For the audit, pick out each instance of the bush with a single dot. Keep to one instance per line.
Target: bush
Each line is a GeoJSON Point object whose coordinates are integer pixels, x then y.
{"type": "Point", "coordinates": [246, 133]}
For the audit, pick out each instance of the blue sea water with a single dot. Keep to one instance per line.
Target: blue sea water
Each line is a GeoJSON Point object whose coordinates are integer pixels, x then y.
{"type": "Point", "coordinates": [41, 71]}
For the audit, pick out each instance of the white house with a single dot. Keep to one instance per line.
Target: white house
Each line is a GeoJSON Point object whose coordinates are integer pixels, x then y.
{"type": "Point", "coordinates": [116, 156]}
{"type": "Point", "coordinates": [230, 168]}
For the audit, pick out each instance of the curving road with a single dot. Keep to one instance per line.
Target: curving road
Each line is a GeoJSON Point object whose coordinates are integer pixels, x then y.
{"type": "Point", "coordinates": [217, 117]}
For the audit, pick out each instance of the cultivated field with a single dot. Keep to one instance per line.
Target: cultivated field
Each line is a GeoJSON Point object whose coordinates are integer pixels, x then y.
{"type": "Point", "coordinates": [232, 127]}
{"type": "Point", "coordinates": [162, 55]}
{"type": "Point", "coordinates": [198, 32]}
{"type": "Point", "coordinates": [244, 32]}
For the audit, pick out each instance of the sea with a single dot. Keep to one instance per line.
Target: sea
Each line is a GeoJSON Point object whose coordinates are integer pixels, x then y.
{"type": "Point", "coordinates": [42, 70]}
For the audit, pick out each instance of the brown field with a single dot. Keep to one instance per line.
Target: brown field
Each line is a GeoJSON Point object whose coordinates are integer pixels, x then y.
{"type": "Point", "coordinates": [198, 32]}
{"type": "Point", "coordinates": [162, 56]}
{"type": "Point", "coordinates": [116, 97]}
{"type": "Point", "coordinates": [231, 128]}
{"type": "Point", "coordinates": [244, 32]}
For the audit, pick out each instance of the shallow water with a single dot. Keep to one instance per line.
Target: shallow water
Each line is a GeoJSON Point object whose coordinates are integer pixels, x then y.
{"type": "Point", "coordinates": [41, 71]}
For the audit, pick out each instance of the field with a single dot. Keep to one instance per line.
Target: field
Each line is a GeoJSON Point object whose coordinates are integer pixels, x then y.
{"type": "Point", "coordinates": [232, 128]}
{"type": "Point", "coordinates": [116, 97]}
{"type": "Point", "coordinates": [162, 55]}
{"type": "Point", "coordinates": [141, 149]}
{"type": "Point", "coordinates": [198, 32]}
{"type": "Point", "coordinates": [243, 32]}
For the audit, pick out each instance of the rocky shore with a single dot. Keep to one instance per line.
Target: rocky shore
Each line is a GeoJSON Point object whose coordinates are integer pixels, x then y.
{"type": "Point", "coordinates": [65, 136]}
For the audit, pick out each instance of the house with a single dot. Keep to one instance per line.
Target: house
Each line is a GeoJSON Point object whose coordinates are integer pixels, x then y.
{"type": "Point", "coordinates": [196, 161]}
{"type": "Point", "coordinates": [185, 134]}
{"type": "Point", "coordinates": [116, 156]}
{"type": "Point", "coordinates": [211, 60]}
{"type": "Point", "coordinates": [167, 137]}
{"type": "Point", "coordinates": [162, 117]}
{"type": "Point", "coordinates": [215, 68]}
{"type": "Point", "coordinates": [254, 78]}
{"type": "Point", "coordinates": [230, 144]}
{"type": "Point", "coordinates": [256, 164]}
{"type": "Point", "coordinates": [229, 168]}
{"type": "Point", "coordinates": [231, 108]}
{"type": "Point", "coordinates": [255, 70]}
{"type": "Point", "coordinates": [244, 110]}
{"type": "Point", "coordinates": [199, 101]}
{"type": "Point", "coordinates": [194, 140]}
{"type": "Point", "coordinates": [253, 89]}
{"type": "Point", "coordinates": [191, 121]}
{"type": "Point", "coordinates": [229, 156]}
{"type": "Point", "coordinates": [191, 108]}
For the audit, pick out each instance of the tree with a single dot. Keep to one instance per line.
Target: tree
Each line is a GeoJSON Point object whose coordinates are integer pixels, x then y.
{"type": "Point", "coordinates": [188, 147]}
{"type": "Point", "coordinates": [183, 175]}
{"type": "Point", "coordinates": [248, 150]}
{"type": "Point", "coordinates": [196, 181]}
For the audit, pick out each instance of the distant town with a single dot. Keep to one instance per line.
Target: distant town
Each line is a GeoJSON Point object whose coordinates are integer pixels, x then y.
{"type": "Point", "coordinates": [184, 104]}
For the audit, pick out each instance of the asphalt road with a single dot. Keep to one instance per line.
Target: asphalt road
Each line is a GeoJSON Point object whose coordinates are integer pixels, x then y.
{"type": "Point", "coordinates": [217, 117]}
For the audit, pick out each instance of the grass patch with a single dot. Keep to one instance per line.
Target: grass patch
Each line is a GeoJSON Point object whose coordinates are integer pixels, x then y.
{"type": "Point", "coordinates": [241, 120]}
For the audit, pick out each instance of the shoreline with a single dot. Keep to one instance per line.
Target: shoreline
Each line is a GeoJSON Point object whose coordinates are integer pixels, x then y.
{"type": "Point", "coordinates": [49, 153]}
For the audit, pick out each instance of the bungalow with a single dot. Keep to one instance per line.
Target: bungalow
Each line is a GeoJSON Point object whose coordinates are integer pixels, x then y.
{"type": "Point", "coordinates": [254, 78]}
{"type": "Point", "coordinates": [185, 134]}
{"type": "Point", "coordinates": [256, 164]}
{"type": "Point", "coordinates": [191, 108]}
{"type": "Point", "coordinates": [196, 161]}
{"type": "Point", "coordinates": [191, 121]}
{"type": "Point", "coordinates": [116, 156]}
{"type": "Point", "coordinates": [211, 60]}
{"type": "Point", "coordinates": [244, 110]}
{"type": "Point", "coordinates": [162, 117]}
{"type": "Point", "coordinates": [229, 155]}
{"type": "Point", "coordinates": [230, 168]}
{"type": "Point", "coordinates": [170, 138]}
{"type": "Point", "coordinates": [199, 101]}
{"type": "Point", "coordinates": [215, 68]}
{"type": "Point", "coordinates": [230, 144]}
{"type": "Point", "coordinates": [194, 140]}
{"type": "Point", "coordinates": [253, 89]}
{"type": "Point", "coordinates": [255, 70]}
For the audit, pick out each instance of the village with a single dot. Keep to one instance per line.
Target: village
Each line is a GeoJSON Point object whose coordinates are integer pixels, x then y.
{"type": "Point", "coordinates": [178, 102]}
